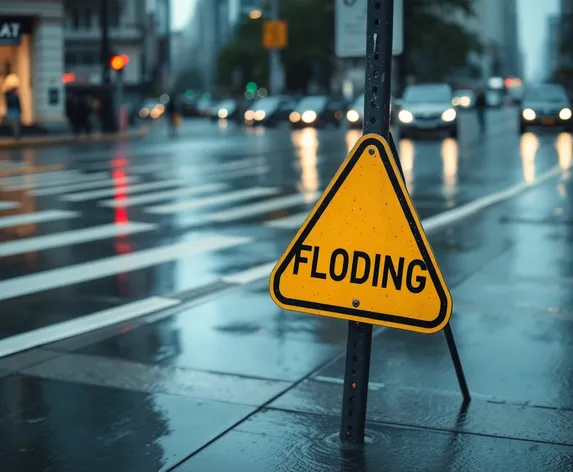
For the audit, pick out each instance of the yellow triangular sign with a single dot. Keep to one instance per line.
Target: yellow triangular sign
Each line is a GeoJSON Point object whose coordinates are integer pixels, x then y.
{"type": "Point", "coordinates": [362, 253]}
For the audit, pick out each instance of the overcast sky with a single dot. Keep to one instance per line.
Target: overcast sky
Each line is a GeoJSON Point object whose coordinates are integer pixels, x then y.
{"type": "Point", "coordinates": [532, 29]}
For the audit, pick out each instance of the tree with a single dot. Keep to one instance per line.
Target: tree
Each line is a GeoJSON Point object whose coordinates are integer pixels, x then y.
{"type": "Point", "coordinates": [435, 44]}
{"type": "Point", "coordinates": [308, 56]}
{"type": "Point", "coordinates": [188, 79]}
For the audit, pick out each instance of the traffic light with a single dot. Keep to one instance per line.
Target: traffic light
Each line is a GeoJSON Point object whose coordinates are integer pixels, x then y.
{"type": "Point", "coordinates": [119, 61]}
{"type": "Point", "coordinates": [251, 87]}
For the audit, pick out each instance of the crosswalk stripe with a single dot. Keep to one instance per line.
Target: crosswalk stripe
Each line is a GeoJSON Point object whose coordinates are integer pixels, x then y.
{"type": "Point", "coordinates": [36, 179]}
{"type": "Point", "coordinates": [67, 238]}
{"type": "Point", "coordinates": [216, 200]}
{"type": "Point", "coordinates": [250, 275]}
{"type": "Point", "coordinates": [86, 271]}
{"type": "Point", "coordinates": [107, 182]}
{"type": "Point", "coordinates": [84, 324]}
{"type": "Point", "coordinates": [158, 196]}
{"type": "Point", "coordinates": [259, 208]}
{"type": "Point", "coordinates": [290, 222]}
{"type": "Point", "coordinates": [68, 179]}
{"type": "Point", "coordinates": [37, 217]}
{"type": "Point", "coordinates": [84, 196]}
{"type": "Point", "coordinates": [9, 205]}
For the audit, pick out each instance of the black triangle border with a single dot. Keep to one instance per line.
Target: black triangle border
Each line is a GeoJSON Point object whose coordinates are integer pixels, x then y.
{"type": "Point", "coordinates": [400, 320]}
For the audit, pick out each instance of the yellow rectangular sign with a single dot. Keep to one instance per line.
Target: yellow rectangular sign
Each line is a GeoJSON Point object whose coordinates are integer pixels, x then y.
{"type": "Point", "coordinates": [274, 34]}
{"type": "Point", "coordinates": [362, 253]}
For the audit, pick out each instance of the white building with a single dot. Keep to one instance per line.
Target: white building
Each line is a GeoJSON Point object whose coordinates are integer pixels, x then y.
{"type": "Point", "coordinates": [31, 47]}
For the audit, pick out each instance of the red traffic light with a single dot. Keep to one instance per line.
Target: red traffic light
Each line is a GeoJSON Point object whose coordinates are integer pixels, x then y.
{"type": "Point", "coordinates": [118, 62]}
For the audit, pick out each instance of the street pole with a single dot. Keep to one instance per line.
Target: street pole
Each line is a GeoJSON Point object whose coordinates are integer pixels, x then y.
{"type": "Point", "coordinates": [275, 57]}
{"type": "Point", "coordinates": [379, 31]}
{"type": "Point", "coordinates": [119, 97]}
{"type": "Point", "coordinates": [107, 118]}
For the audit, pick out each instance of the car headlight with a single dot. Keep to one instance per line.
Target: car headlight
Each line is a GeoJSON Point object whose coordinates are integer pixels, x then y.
{"type": "Point", "coordinates": [456, 101]}
{"type": "Point", "coordinates": [352, 116]}
{"type": "Point", "coordinates": [528, 114]}
{"type": "Point", "coordinates": [144, 112]}
{"type": "Point", "coordinates": [260, 115]}
{"type": "Point", "coordinates": [294, 117]}
{"type": "Point", "coordinates": [565, 114]}
{"type": "Point", "coordinates": [309, 116]}
{"type": "Point", "coordinates": [405, 116]}
{"type": "Point", "coordinates": [449, 115]}
{"type": "Point", "coordinates": [155, 113]}
{"type": "Point", "coordinates": [465, 102]}
{"type": "Point", "coordinates": [249, 115]}
{"type": "Point", "coordinates": [223, 113]}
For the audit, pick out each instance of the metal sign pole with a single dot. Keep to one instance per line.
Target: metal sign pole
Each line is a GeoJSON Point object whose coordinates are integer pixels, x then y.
{"type": "Point", "coordinates": [379, 33]}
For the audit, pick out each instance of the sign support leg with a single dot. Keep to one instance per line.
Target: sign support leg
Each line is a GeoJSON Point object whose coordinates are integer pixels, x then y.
{"type": "Point", "coordinates": [379, 31]}
{"type": "Point", "coordinates": [448, 329]}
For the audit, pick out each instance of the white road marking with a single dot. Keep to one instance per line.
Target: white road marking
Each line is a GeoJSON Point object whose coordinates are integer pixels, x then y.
{"type": "Point", "coordinates": [446, 218]}
{"type": "Point", "coordinates": [431, 224]}
{"type": "Point", "coordinates": [67, 238]}
{"type": "Point", "coordinates": [250, 275]}
{"type": "Point", "coordinates": [71, 178]}
{"type": "Point", "coordinates": [83, 324]}
{"type": "Point", "coordinates": [216, 200]}
{"type": "Point", "coordinates": [37, 217]}
{"type": "Point", "coordinates": [8, 205]}
{"type": "Point", "coordinates": [236, 173]}
{"type": "Point", "coordinates": [158, 196]}
{"type": "Point", "coordinates": [22, 182]}
{"type": "Point", "coordinates": [84, 196]}
{"type": "Point", "coordinates": [78, 273]}
{"type": "Point", "coordinates": [289, 222]}
{"type": "Point", "coordinates": [254, 209]}
{"type": "Point", "coordinates": [108, 181]}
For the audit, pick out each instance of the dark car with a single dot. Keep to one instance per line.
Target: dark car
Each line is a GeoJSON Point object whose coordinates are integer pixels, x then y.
{"type": "Point", "coordinates": [545, 105]}
{"type": "Point", "coordinates": [318, 111]}
{"type": "Point", "coordinates": [269, 111]}
{"type": "Point", "coordinates": [189, 106]}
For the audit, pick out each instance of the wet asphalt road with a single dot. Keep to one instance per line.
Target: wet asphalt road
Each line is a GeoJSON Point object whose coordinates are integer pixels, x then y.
{"type": "Point", "coordinates": [158, 252]}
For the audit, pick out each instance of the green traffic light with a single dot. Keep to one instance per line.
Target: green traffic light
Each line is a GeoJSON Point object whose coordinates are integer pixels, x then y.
{"type": "Point", "coordinates": [251, 87]}
{"type": "Point", "coordinates": [189, 93]}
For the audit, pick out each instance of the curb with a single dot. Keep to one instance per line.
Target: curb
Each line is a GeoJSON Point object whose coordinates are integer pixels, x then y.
{"type": "Point", "coordinates": [69, 139]}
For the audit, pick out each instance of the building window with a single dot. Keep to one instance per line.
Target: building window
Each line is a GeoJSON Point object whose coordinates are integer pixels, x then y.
{"type": "Point", "coordinates": [73, 18]}
{"type": "Point", "coordinates": [114, 15]}
{"type": "Point", "coordinates": [88, 58]}
{"type": "Point", "coordinates": [70, 59]}
{"type": "Point", "coordinates": [86, 16]}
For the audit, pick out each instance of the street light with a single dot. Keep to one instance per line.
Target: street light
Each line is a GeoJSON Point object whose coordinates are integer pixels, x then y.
{"type": "Point", "coordinates": [255, 14]}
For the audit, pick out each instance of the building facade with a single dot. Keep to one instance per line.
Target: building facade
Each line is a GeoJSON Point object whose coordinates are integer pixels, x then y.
{"type": "Point", "coordinates": [552, 46]}
{"type": "Point", "coordinates": [31, 49]}
{"type": "Point", "coordinates": [82, 41]}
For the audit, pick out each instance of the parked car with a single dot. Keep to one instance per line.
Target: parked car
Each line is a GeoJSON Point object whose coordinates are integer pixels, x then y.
{"type": "Point", "coordinates": [189, 106]}
{"type": "Point", "coordinates": [269, 111]}
{"type": "Point", "coordinates": [464, 99]}
{"type": "Point", "coordinates": [545, 105]}
{"type": "Point", "coordinates": [427, 107]}
{"type": "Point", "coordinates": [318, 111]}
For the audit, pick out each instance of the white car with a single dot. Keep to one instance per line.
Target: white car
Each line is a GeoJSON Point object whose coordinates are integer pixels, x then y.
{"type": "Point", "coordinates": [427, 107]}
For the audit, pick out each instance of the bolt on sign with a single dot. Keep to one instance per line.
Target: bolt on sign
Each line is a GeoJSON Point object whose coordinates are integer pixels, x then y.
{"type": "Point", "coordinates": [274, 34]}
{"type": "Point", "coordinates": [362, 254]}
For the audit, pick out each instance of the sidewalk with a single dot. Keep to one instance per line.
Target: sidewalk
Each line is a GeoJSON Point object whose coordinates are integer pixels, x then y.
{"type": "Point", "coordinates": [54, 140]}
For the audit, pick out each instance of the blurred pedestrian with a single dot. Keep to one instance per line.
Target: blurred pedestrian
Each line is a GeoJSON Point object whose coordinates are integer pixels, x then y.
{"type": "Point", "coordinates": [71, 111]}
{"type": "Point", "coordinates": [173, 117]}
{"type": "Point", "coordinates": [13, 111]}
{"type": "Point", "coordinates": [481, 105]}
{"type": "Point", "coordinates": [83, 115]}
